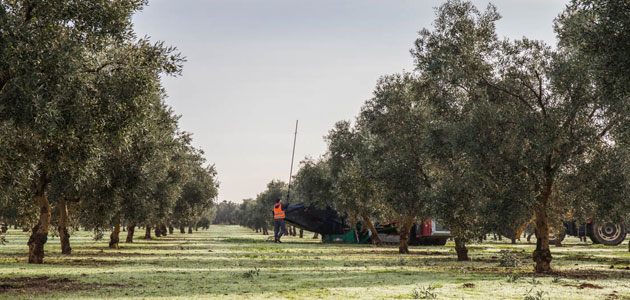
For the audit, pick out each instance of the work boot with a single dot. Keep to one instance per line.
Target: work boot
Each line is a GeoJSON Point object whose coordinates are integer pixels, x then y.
{"type": "Point", "coordinates": [275, 240]}
{"type": "Point", "coordinates": [279, 241]}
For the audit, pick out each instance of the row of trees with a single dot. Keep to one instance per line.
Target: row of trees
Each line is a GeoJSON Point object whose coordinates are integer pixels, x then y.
{"type": "Point", "coordinates": [487, 133]}
{"type": "Point", "coordinates": [85, 135]}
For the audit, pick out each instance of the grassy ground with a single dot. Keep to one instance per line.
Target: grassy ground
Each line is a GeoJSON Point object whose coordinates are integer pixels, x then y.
{"type": "Point", "coordinates": [230, 262]}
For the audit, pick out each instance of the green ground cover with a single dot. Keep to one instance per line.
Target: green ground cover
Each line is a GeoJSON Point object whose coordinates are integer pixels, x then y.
{"type": "Point", "coordinates": [231, 262]}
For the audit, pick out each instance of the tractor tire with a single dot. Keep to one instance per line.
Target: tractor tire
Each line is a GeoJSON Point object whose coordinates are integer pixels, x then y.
{"type": "Point", "coordinates": [609, 234]}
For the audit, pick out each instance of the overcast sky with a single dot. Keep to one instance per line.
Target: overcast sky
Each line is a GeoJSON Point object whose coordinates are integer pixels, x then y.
{"type": "Point", "coordinates": [256, 66]}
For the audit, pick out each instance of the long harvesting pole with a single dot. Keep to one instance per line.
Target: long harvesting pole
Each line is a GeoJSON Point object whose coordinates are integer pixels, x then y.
{"type": "Point", "coordinates": [292, 155]}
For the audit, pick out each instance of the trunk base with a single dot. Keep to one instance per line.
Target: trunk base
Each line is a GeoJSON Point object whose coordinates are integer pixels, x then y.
{"type": "Point", "coordinates": [113, 242]}
{"type": "Point", "coordinates": [36, 246]}
{"type": "Point", "coordinates": [130, 231]}
{"type": "Point", "coordinates": [462, 250]}
{"type": "Point", "coordinates": [147, 232]}
{"type": "Point", "coordinates": [64, 238]}
{"type": "Point", "coordinates": [543, 261]}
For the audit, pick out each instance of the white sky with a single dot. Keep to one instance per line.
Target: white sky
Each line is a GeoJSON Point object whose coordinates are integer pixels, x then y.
{"type": "Point", "coordinates": [256, 66]}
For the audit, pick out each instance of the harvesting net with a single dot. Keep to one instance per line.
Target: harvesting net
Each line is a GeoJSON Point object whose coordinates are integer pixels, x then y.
{"type": "Point", "coordinates": [311, 218]}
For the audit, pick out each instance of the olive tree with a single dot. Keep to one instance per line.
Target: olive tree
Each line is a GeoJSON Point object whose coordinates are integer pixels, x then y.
{"type": "Point", "coordinates": [72, 75]}
{"type": "Point", "coordinates": [545, 102]}
{"type": "Point", "coordinates": [398, 122]}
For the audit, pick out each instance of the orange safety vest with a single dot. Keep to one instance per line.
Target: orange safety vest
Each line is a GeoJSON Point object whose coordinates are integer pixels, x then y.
{"type": "Point", "coordinates": [278, 213]}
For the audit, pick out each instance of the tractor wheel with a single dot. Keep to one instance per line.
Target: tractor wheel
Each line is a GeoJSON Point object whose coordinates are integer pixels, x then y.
{"type": "Point", "coordinates": [609, 234]}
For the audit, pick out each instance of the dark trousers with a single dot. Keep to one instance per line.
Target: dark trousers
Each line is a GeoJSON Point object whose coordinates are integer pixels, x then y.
{"type": "Point", "coordinates": [279, 228]}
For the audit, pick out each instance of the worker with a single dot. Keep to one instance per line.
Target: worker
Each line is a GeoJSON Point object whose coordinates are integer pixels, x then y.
{"type": "Point", "coordinates": [279, 228]}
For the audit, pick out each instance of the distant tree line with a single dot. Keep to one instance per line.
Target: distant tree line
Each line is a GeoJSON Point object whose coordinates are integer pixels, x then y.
{"type": "Point", "coordinates": [486, 133]}
{"type": "Point", "coordinates": [86, 138]}
{"type": "Point", "coordinates": [227, 213]}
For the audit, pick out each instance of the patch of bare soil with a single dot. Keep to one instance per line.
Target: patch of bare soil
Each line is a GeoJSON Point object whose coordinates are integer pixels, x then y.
{"type": "Point", "coordinates": [588, 274]}
{"type": "Point", "coordinates": [44, 284]}
{"type": "Point", "coordinates": [589, 286]}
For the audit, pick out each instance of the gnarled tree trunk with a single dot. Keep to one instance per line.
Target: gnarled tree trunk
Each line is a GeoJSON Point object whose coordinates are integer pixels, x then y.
{"type": "Point", "coordinates": [462, 251]}
{"type": "Point", "coordinates": [301, 233]}
{"type": "Point", "coordinates": [315, 236]}
{"type": "Point", "coordinates": [130, 229]}
{"type": "Point", "coordinates": [182, 229]}
{"type": "Point", "coordinates": [163, 229]}
{"type": "Point", "coordinates": [147, 232]}
{"type": "Point", "coordinates": [190, 230]}
{"type": "Point", "coordinates": [264, 230]}
{"type": "Point", "coordinates": [376, 240]}
{"type": "Point", "coordinates": [158, 230]}
{"type": "Point", "coordinates": [40, 232]}
{"type": "Point", "coordinates": [170, 229]}
{"type": "Point", "coordinates": [403, 247]}
{"type": "Point", "coordinates": [114, 238]}
{"type": "Point", "coordinates": [64, 236]}
{"type": "Point", "coordinates": [542, 254]}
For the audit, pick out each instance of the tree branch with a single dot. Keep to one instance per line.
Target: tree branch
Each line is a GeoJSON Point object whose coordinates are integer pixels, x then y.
{"type": "Point", "coordinates": [540, 94]}
{"type": "Point", "coordinates": [29, 13]}
{"type": "Point", "coordinates": [608, 127]}
{"type": "Point", "coordinates": [507, 92]}
{"type": "Point", "coordinates": [99, 68]}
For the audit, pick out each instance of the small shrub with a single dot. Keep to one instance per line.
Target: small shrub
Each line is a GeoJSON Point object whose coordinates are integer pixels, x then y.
{"type": "Point", "coordinates": [512, 278]}
{"type": "Point", "coordinates": [422, 292]}
{"type": "Point", "coordinates": [251, 273]}
{"type": "Point", "coordinates": [555, 280]}
{"type": "Point", "coordinates": [509, 259]}
{"type": "Point", "coordinates": [537, 295]}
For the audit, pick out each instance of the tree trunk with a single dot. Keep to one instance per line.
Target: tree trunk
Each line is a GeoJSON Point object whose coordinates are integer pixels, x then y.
{"type": "Point", "coordinates": [256, 230]}
{"type": "Point", "coordinates": [513, 240]}
{"type": "Point", "coordinates": [170, 229]}
{"type": "Point", "coordinates": [40, 232]}
{"type": "Point", "coordinates": [163, 230]}
{"type": "Point", "coordinates": [316, 236]}
{"type": "Point", "coordinates": [182, 229]}
{"type": "Point", "coordinates": [462, 251]}
{"type": "Point", "coordinates": [190, 230]}
{"type": "Point", "coordinates": [403, 247]}
{"type": "Point", "coordinates": [376, 240]}
{"type": "Point", "coordinates": [114, 238]}
{"type": "Point", "coordinates": [542, 254]}
{"type": "Point", "coordinates": [158, 230]}
{"type": "Point", "coordinates": [301, 233]}
{"type": "Point", "coordinates": [64, 236]}
{"type": "Point", "coordinates": [130, 229]}
{"type": "Point", "coordinates": [264, 231]}
{"type": "Point", "coordinates": [147, 232]}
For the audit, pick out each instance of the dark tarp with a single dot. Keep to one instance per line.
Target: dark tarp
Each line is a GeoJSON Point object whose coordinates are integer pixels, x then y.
{"type": "Point", "coordinates": [311, 218]}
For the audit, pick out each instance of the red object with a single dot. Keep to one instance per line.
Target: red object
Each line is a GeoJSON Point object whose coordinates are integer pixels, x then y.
{"type": "Point", "coordinates": [426, 228]}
